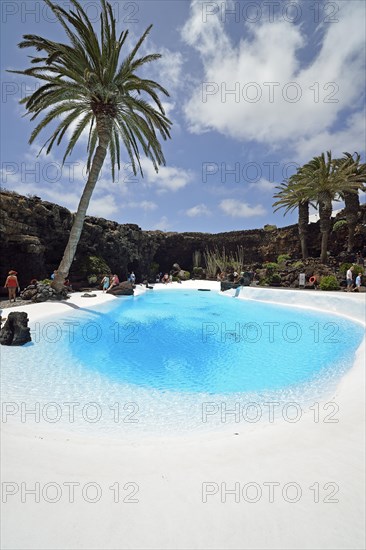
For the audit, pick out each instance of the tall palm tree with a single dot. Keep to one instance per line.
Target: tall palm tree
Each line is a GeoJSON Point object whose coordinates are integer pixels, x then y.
{"type": "Point", "coordinates": [86, 83]}
{"type": "Point", "coordinates": [323, 179]}
{"type": "Point", "coordinates": [353, 171]}
{"type": "Point", "coordinates": [290, 196]}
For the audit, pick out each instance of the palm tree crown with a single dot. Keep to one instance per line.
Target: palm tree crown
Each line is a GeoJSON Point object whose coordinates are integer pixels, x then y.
{"type": "Point", "coordinates": [323, 180]}
{"type": "Point", "coordinates": [290, 196]}
{"type": "Point", "coordinates": [87, 84]}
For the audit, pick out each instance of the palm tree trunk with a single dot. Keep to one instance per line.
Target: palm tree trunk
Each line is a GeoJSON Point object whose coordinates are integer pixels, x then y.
{"type": "Point", "coordinates": [325, 214]}
{"type": "Point", "coordinates": [352, 207]}
{"type": "Point", "coordinates": [77, 227]}
{"type": "Point", "coordinates": [303, 227]}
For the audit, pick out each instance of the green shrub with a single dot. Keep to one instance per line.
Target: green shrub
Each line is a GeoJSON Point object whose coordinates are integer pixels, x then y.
{"type": "Point", "coordinates": [46, 281]}
{"type": "Point", "coordinates": [275, 278]}
{"type": "Point", "coordinates": [339, 224]}
{"type": "Point", "coordinates": [221, 260]}
{"type": "Point", "coordinates": [329, 282]}
{"type": "Point", "coordinates": [281, 259]}
{"type": "Point", "coordinates": [298, 265]}
{"type": "Point", "coordinates": [198, 272]}
{"type": "Point", "coordinates": [187, 275]}
{"type": "Point", "coordinates": [271, 267]}
{"type": "Point", "coordinates": [269, 227]}
{"type": "Point", "coordinates": [92, 266]}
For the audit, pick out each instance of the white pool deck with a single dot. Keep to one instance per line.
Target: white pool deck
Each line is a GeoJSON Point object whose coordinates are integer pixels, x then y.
{"type": "Point", "coordinates": [175, 475]}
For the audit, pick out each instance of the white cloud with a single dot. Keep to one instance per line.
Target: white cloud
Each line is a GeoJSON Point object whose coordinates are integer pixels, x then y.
{"type": "Point", "coordinates": [268, 53]}
{"type": "Point", "coordinates": [103, 207]}
{"type": "Point", "coordinates": [169, 178]}
{"type": "Point", "coordinates": [346, 139]}
{"type": "Point", "coordinates": [169, 68]}
{"type": "Point", "coordinates": [263, 185]}
{"type": "Point", "coordinates": [10, 175]}
{"type": "Point", "coordinates": [57, 194]}
{"type": "Point", "coordinates": [198, 210]}
{"type": "Point", "coordinates": [147, 206]}
{"type": "Point", "coordinates": [168, 108]}
{"type": "Point", "coordinates": [30, 180]}
{"type": "Point", "coordinates": [168, 72]}
{"type": "Point", "coordinates": [237, 209]}
{"type": "Point", "coordinates": [62, 195]}
{"type": "Point", "coordinates": [163, 224]}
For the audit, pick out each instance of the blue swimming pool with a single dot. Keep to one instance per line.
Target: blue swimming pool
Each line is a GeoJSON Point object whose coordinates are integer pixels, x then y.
{"type": "Point", "coordinates": [201, 342]}
{"type": "Point", "coordinates": [165, 353]}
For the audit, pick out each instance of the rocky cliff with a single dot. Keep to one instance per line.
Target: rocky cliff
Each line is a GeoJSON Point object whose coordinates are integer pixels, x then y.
{"type": "Point", "coordinates": [34, 233]}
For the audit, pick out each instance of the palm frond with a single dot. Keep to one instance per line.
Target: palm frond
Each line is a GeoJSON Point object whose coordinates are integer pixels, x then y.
{"type": "Point", "coordinates": [85, 81]}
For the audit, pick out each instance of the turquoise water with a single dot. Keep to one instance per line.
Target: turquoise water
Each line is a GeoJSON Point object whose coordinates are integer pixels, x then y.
{"type": "Point", "coordinates": [201, 342]}
{"type": "Point", "coordinates": [156, 363]}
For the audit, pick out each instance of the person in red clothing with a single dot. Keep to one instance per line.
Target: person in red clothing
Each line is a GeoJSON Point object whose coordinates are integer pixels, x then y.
{"type": "Point", "coordinates": [12, 285]}
{"type": "Point", "coordinates": [114, 282]}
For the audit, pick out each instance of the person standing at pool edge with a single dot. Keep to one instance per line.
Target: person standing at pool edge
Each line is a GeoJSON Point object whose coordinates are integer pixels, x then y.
{"type": "Point", "coordinates": [358, 283]}
{"type": "Point", "coordinates": [12, 284]}
{"type": "Point", "coordinates": [349, 279]}
{"type": "Point", "coordinates": [240, 283]}
{"type": "Point", "coordinates": [105, 283]}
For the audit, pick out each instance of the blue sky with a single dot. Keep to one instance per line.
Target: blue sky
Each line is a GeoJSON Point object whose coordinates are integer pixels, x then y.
{"type": "Point", "coordinates": [256, 89]}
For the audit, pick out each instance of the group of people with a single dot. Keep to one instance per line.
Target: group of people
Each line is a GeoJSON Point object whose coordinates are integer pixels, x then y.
{"type": "Point", "coordinates": [109, 281]}
{"type": "Point", "coordinates": [353, 286]}
{"type": "Point", "coordinates": [165, 279]}
{"type": "Point", "coordinates": [234, 276]}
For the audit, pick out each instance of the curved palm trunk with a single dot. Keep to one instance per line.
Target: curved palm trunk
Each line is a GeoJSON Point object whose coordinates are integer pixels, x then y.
{"type": "Point", "coordinates": [77, 227]}
{"type": "Point", "coordinates": [303, 227]}
{"type": "Point", "coordinates": [352, 207]}
{"type": "Point", "coordinates": [325, 214]}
